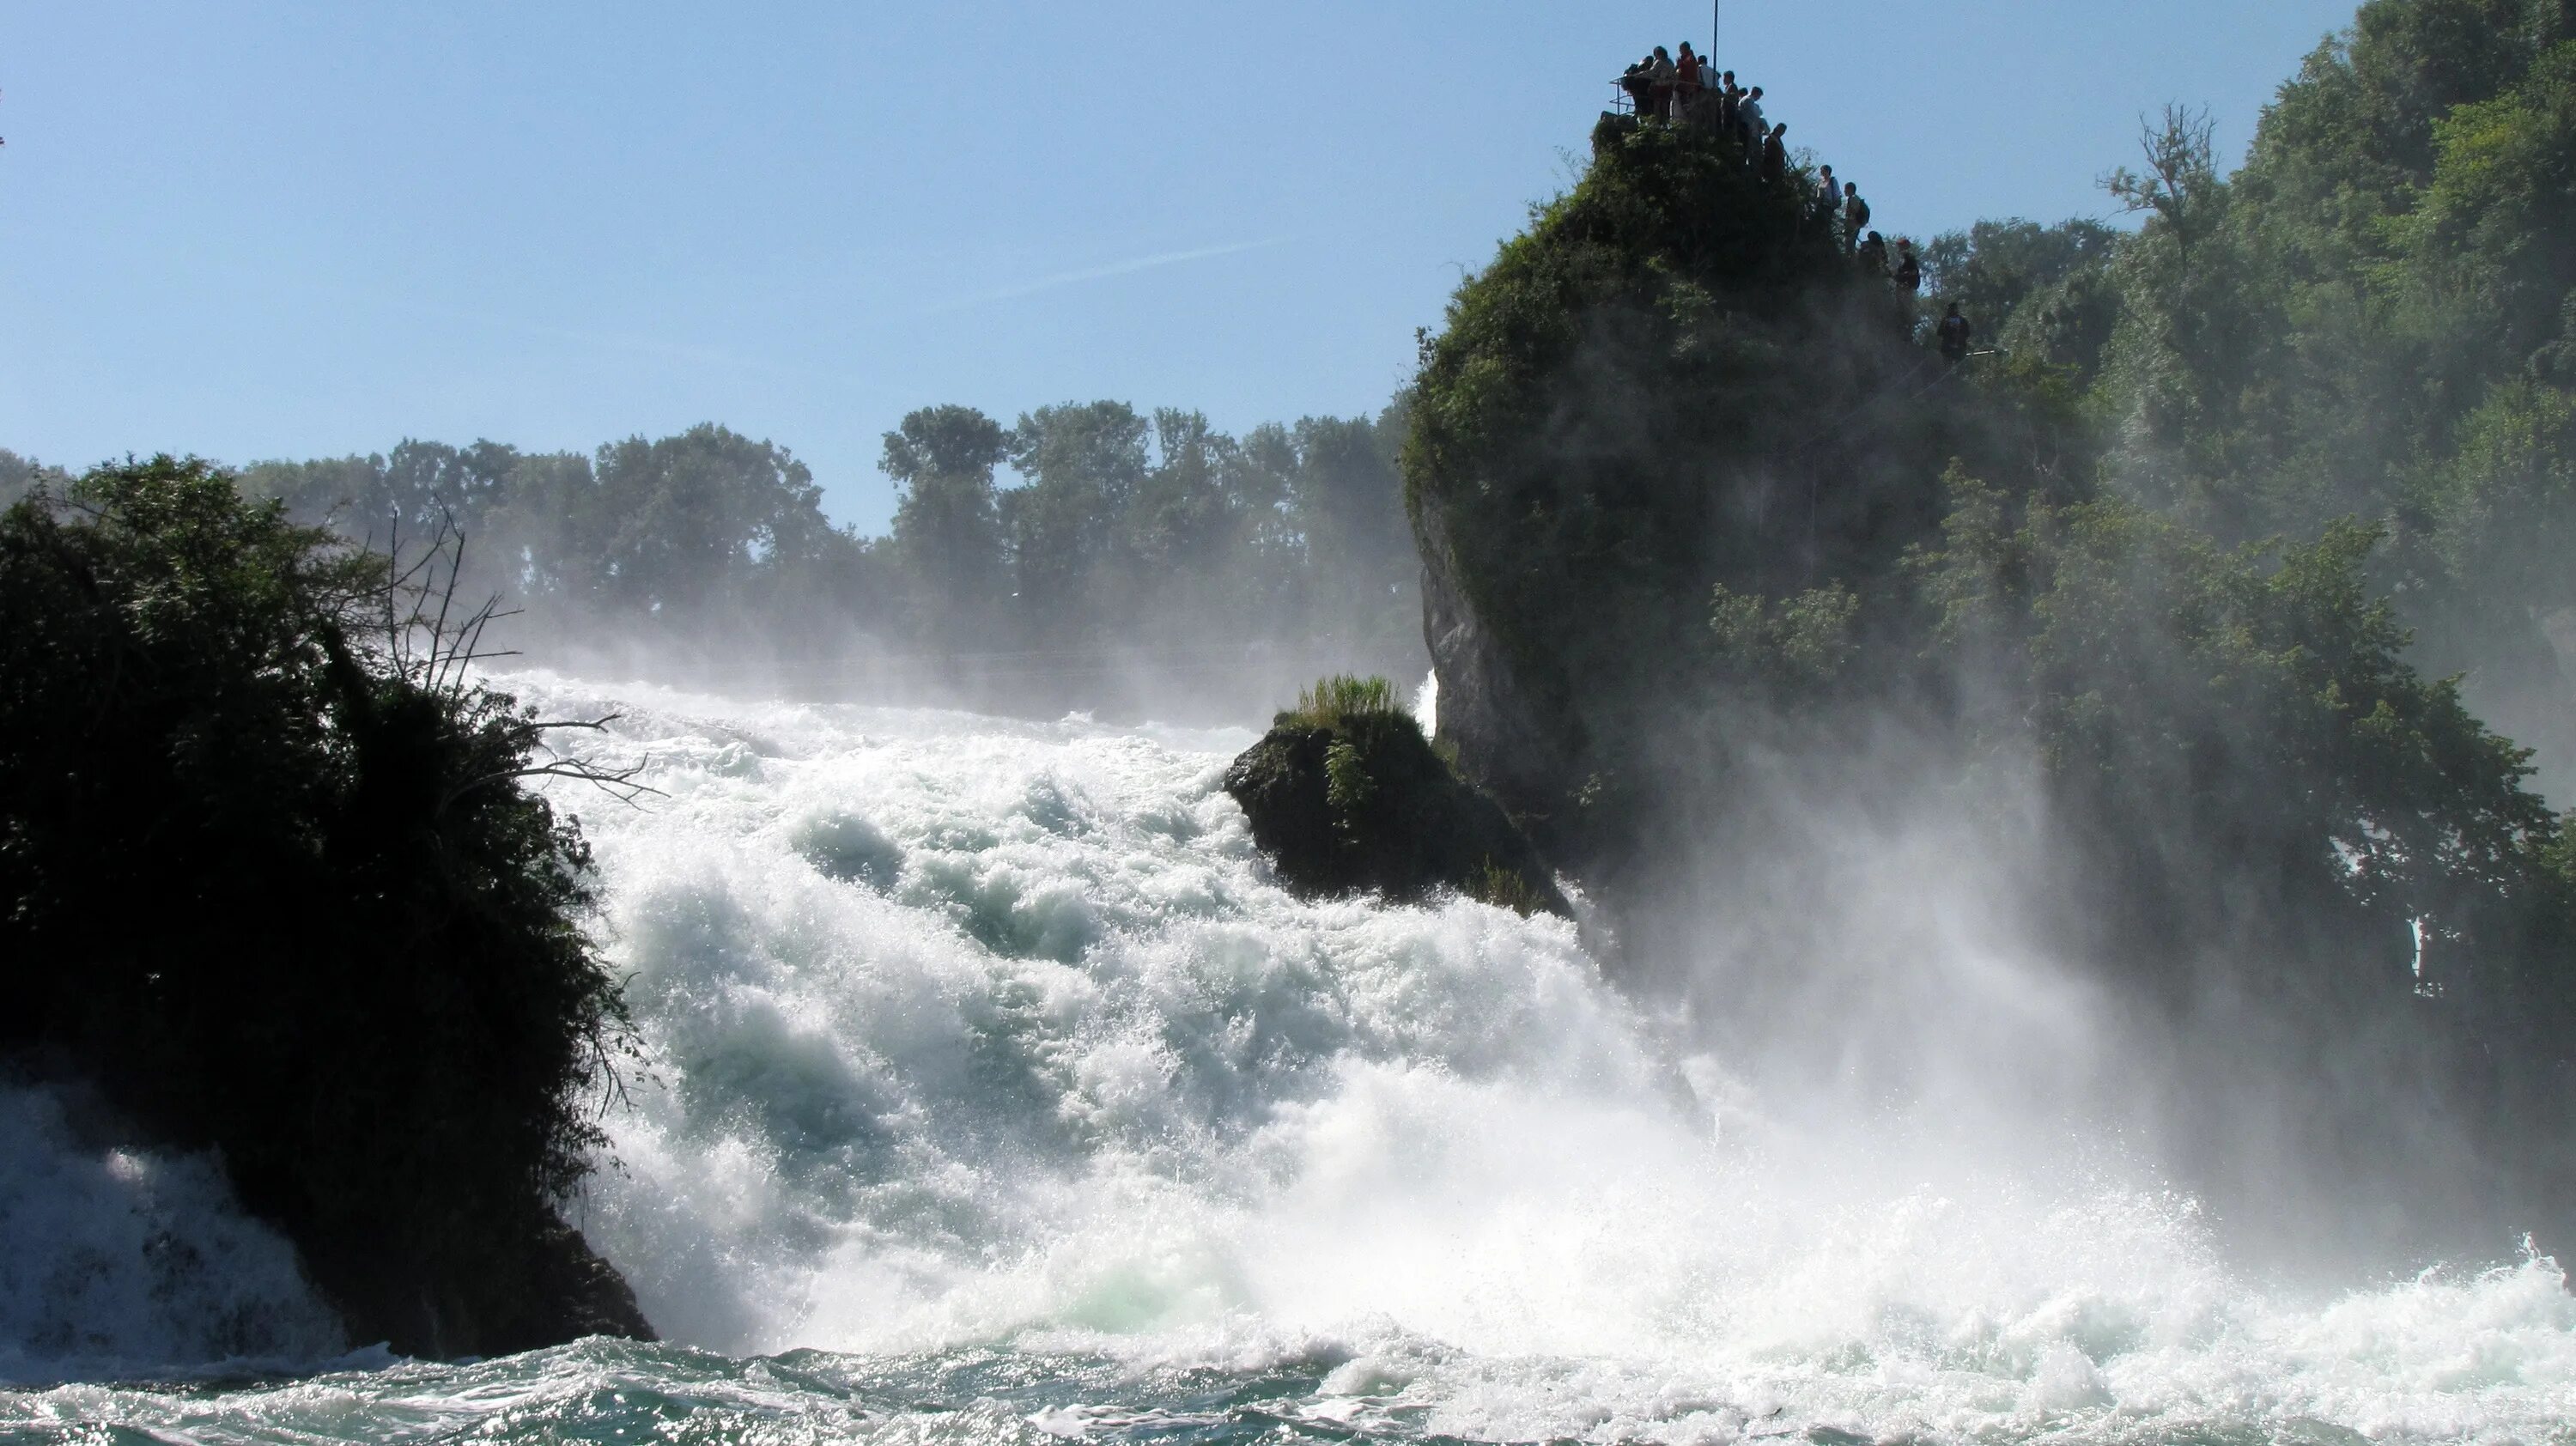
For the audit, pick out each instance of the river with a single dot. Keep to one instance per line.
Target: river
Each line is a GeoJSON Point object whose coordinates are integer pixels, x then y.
{"type": "Point", "coordinates": [991, 1092]}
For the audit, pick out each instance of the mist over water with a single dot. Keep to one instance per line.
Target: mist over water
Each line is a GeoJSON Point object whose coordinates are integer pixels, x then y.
{"type": "Point", "coordinates": [992, 1080]}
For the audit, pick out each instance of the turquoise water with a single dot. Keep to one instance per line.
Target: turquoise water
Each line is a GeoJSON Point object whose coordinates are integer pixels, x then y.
{"type": "Point", "coordinates": [2362, 1386]}
{"type": "Point", "coordinates": [997, 1095]}
{"type": "Point", "coordinates": [614, 1391]}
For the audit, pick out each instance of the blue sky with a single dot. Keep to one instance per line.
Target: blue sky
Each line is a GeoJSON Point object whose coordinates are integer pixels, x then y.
{"type": "Point", "coordinates": [255, 229]}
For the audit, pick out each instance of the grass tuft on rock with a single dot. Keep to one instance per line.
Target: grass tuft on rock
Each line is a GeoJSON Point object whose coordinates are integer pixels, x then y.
{"type": "Point", "coordinates": [1341, 697]}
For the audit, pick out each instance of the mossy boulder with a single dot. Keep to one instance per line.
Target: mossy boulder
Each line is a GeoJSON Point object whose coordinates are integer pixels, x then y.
{"type": "Point", "coordinates": [1364, 804]}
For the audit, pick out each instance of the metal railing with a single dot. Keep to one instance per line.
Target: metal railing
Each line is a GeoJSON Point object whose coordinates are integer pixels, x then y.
{"type": "Point", "coordinates": [1700, 113]}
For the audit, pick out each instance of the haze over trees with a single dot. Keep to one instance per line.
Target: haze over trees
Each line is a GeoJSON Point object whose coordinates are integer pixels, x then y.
{"type": "Point", "coordinates": [1128, 539]}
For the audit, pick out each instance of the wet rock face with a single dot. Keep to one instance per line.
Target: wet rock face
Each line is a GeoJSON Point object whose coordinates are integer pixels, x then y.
{"type": "Point", "coordinates": [1368, 806]}
{"type": "Point", "coordinates": [578, 1295]}
{"type": "Point", "coordinates": [1510, 740]}
{"type": "Point", "coordinates": [543, 1286]}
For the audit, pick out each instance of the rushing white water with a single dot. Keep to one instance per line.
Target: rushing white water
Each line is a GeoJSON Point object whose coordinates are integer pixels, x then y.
{"type": "Point", "coordinates": [115, 1260]}
{"type": "Point", "coordinates": [971, 1032]}
{"type": "Point", "coordinates": [986, 1056]}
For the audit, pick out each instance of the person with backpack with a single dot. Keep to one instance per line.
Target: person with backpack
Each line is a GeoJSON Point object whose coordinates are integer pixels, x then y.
{"type": "Point", "coordinates": [1873, 255]}
{"type": "Point", "coordinates": [1955, 332]}
{"type": "Point", "coordinates": [1855, 214]}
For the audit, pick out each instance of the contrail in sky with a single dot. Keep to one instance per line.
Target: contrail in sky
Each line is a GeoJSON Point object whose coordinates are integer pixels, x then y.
{"type": "Point", "coordinates": [1102, 273]}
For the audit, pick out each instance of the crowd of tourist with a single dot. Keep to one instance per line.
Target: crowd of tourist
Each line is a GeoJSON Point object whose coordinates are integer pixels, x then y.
{"type": "Point", "coordinates": [1691, 90]}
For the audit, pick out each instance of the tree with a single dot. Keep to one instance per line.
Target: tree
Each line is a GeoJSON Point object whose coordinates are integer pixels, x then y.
{"type": "Point", "coordinates": [1084, 463]}
{"type": "Point", "coordinates": [2193, 330]}
{"type": "Point", "coordinates": [272, 879]}
{"type": "Point", "coordinates": [681, 526]}
{"type": "Point", "coordinates": [2043, 293]}
{"type": "Point", "coordinates": [947, 541]}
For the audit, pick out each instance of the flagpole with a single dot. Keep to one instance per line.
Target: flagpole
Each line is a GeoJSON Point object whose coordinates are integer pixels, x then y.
{"type": "Point", "coordinates": [1716, 17]}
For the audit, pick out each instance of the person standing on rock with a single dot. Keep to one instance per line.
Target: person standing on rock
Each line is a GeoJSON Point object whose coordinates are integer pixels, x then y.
{"type": "Point", "coordinates": [1909, 269]}
{"type": "Point", "coordinates": [1775, 155]}
{"type": "Point", "coordinates": [1873, 255]}
{"type": "Point", "coordinates": [1855, 214]}
{"type": "Point", "coordinates": [1660, 79]}
{"type": "Point", "coordinates": [1748, 125]}
{"type": "Point", "coordinates": [1955, 332]}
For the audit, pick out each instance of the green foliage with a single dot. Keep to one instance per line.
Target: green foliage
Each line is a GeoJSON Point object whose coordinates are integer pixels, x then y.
{"type": "Point", "coordinates": [1084, 464]}
{"type": "Point", "coordinates": [2372, 319]}
{"type": "Point", "coordinates": [1803, 641]}
{"type": "Point", "coordinates": [1333, 700]}
{"type": "Point", "coordinates": [947, 537]}
{"type": "Point", "coordinates": [1506, 888]}
{"type": "Point", "coordinates": [2559, 857]}
{"type": "Point", "coordinates": [1678, 475]}
{"type": "Point", "coordinates": [2042, 292]}
{"type": "Point", "coordinates": [2486, 242]}
{"type": "Point", "coordinates": [1347, 786]}
{"type": "Point", "coordinates": [272, 879]}
{"type": "Point", "coordinates": [693, 531]}
{"type": "Point", "coordinates": [2233, 720]}
{"type": "Point", "coordinates": [690, 522]}
{"type": "Point", "coordinates": [2504, 509]}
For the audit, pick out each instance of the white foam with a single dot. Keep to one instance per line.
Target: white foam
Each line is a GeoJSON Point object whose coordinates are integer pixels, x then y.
{"type": "Point", "coordinates": [117, 1261]}
{"type": "Point", "coordinates": [968, 1031]}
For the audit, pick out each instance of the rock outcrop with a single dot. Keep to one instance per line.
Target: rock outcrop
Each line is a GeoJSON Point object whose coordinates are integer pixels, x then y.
{"type": "Point", "coordinates": [542, 1289]}
{"type": "Point", "coordinates": [1678, 379]}
{"type": "Point", "coordinates": [1365, 804]}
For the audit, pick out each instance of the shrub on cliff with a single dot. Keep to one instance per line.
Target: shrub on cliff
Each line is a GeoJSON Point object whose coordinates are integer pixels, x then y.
{"type": "Point", "coordinates": [272, 880]}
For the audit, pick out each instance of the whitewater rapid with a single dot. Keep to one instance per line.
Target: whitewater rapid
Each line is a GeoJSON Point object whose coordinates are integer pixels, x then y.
{"type": "Point", "coordinates": [992, 1090]}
